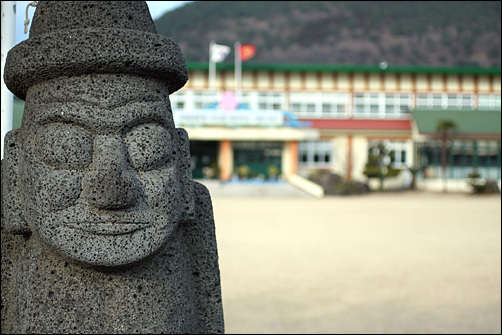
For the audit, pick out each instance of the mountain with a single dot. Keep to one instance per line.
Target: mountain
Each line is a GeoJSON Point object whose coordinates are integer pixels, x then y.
{"type": "Point", "coordinates": [427, 33]}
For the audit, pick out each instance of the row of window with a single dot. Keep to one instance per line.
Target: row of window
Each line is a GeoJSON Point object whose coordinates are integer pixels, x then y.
{"type": "Point", "coordinates": [463, 156]}
{"type": "Point", "coordinates": [321, 153]}
{"type": "Point", "coordinates": [341, 104]}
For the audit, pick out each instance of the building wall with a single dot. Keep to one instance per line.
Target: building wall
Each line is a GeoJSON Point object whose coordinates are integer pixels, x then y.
{"type": "Point", "coordinates": [344, 81]}
{"type": "Point", "coordinates": [359, 157]}
{"type": "Point", "coordinates": [340, 154]}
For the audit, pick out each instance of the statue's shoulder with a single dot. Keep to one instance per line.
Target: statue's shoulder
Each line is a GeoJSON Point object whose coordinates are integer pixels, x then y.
{"type": "Point", "coordinates": [203, 203]}
{"type": "Point", "coordinates": [200, 190]}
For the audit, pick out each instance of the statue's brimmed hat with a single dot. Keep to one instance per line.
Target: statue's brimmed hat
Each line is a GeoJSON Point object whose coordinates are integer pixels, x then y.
{"type": "Point", "coordinates": [69, 38]}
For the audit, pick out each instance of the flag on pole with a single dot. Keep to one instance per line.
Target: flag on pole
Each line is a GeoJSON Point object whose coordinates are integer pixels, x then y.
{"type": "Point", "coordinates": [247, 51]}
{"type": "Point", "coordinates": [242, 52]}
{"type": "Point", "coordinates": [218, 52]}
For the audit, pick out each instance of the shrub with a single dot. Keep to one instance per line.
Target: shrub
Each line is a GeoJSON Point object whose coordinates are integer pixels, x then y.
{"type": "Point", "coordinates": [334, 184]}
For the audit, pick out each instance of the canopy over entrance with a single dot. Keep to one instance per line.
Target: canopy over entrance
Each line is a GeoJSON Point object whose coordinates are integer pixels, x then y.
{"type": "Point", "coordinates": [478, 123]}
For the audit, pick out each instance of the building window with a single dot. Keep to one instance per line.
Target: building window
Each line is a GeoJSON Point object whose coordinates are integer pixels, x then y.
{"type": "Point", "coordinates": [489, 101]}
{"type": "Point", "coordinates": [463, 158]}
{"type": "Point", "coordinates": [445, 101]}
{"type": "Point", "coordinates": [178, 100]}
{"type": "Point", "coordinates": [264, 100]}
{"type": "Point", "coordinates": [319, 153]}
{"type": "Point", "coordinates": [271, 100]}
{"type": "Point", "coordinates": [398, 152]}
{"type": "Point", "coordinates": [382, 105]}
{"type": "Point", "coordinates": [189, 100]}
{"type": "Point", "coordinates": [203, 99]}
{"type": "Point", "coordinates": [319, 104]}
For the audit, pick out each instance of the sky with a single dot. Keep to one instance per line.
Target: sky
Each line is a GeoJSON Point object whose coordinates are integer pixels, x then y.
{"type": "Point", "coordinates": [157, 9]}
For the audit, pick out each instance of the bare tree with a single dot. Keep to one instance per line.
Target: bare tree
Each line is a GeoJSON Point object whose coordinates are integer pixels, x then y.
{"type": "Point", "coordinates": [444, 127]}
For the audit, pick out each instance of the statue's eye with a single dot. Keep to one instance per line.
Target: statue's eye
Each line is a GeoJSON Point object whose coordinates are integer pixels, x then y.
{"type": "Point", "coordinates": [149, 146]}
{"type": "Point", "coordinates": [64, 146]}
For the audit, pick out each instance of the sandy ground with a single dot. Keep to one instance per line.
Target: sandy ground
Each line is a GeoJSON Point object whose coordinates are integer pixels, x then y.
{"type": "Point", "coordinates": [379, 263]}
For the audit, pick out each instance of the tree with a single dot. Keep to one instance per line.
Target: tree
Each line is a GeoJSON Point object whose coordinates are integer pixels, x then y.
{"type": "Point", "coordinates": [444, 127]}
{"type": "Point", "coordinates": [379, 163]}
{"type": "Point", "coordinates": [415, 170]}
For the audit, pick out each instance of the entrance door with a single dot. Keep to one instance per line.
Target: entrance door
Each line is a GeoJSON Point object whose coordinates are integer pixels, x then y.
{"type": "Point", "coordinates": [257, 159]}
{"type": "Point", "coordinates": [204, 159]}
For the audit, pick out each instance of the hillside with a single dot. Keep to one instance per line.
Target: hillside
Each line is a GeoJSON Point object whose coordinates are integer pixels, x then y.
{"type": "Point", "coordinates": [436, 33]}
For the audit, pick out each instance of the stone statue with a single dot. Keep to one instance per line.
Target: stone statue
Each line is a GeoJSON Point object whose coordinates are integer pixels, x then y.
{"type": "Point", "coordinates": [103, 229]}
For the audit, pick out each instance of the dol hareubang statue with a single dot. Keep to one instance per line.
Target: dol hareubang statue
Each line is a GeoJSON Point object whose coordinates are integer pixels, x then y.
{"type": "Point", "coordinates": [103, 229]}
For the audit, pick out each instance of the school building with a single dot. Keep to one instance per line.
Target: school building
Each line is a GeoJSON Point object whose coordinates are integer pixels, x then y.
{"type": "Point", "coordinates": [293, 119]}
{"type": "Point", "coordinates": [286, 119]}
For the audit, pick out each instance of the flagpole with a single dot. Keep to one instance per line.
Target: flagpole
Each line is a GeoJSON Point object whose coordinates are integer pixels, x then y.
{"type": "Point", "coordinates": [238, 70]}
{"type": "Point", "coordinates": [212, 66]}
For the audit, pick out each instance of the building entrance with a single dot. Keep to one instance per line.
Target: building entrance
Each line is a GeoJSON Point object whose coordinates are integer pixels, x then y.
{"type": "Point", "coordinates": [257, 159]}
{"type": "Point", "coordinates": [204, 159]}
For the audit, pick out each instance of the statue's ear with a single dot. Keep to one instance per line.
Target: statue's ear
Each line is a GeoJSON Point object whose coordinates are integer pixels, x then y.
{"type": "Point", "coordinates": [11, 199]}
{"type": "Point", "coordinates": [185, 176]}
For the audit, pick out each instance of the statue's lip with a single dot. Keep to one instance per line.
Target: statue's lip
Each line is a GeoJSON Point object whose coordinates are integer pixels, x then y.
{"type": "Point", "coordinates": [108, 227]}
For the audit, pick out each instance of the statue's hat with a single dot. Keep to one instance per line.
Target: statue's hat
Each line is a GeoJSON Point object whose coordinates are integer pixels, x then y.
{"type": "Point", "coordinates": [69, 38]}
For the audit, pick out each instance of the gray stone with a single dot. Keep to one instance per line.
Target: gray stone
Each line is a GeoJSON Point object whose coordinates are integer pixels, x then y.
{"type": "Point", "coordinates": [103, 228]}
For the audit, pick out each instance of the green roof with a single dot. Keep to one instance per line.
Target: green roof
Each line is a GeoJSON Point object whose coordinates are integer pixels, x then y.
{"type": "Point", "coordinates": [467, 122]}
{"type": "Point", "coordinates": [351, 68]}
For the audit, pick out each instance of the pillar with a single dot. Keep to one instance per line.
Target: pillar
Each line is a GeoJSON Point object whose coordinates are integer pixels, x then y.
{"type": "Point", "coordinates": [226, 160]}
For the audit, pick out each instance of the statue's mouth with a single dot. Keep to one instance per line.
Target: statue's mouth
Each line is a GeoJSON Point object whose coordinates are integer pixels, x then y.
{"type": "Point", "coordinates": [108, 228]}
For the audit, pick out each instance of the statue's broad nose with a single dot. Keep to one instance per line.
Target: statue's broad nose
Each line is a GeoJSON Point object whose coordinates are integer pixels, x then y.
{"type": "Point", "coordinates": [110, 185]}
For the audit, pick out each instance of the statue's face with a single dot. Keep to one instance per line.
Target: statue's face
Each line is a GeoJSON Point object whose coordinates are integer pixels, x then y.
{"type": "Point", "coordinates": [98, 168]}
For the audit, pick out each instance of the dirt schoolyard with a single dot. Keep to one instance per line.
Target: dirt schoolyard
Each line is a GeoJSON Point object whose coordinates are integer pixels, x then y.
{"type": "Point", "coordinates": [378, 263]}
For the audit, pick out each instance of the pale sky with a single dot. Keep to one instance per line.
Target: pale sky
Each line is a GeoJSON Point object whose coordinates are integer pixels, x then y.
{"type": "Point", "coordinates": [157, 9]}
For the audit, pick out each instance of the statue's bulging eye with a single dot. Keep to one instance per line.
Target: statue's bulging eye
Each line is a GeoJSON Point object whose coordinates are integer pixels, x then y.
{"type": "Point", "coordinates": [64, 146]}
{"type": "Point", "coordinates": [149, 146]}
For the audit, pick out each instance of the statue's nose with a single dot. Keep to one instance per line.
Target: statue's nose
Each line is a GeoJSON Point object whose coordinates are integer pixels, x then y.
{"type": "Point", "coordinates": [110, 185]}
